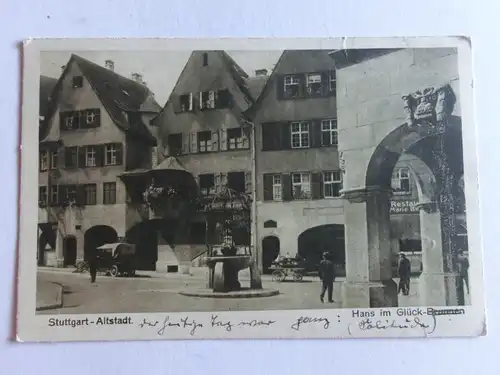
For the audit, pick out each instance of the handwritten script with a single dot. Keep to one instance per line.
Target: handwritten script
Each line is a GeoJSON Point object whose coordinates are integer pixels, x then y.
{"type": "Point", "coordinates": [368, 324]}
{"type": "Point", "coordinates": [192, 325]}
{"type": "Point", "coordinates": [184, 323]}
{"type": "Point", "coordinates": [307, 320]}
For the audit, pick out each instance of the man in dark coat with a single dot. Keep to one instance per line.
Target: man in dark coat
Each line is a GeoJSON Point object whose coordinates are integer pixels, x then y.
{"type": "Point", "coordinates": [92, 259]}
{"type": "Point", "coordinates": [404, 272]}
{"type": "Point", "coordinates": [463, 263]}
{"type": "Point", "coordinates": [327, 276]}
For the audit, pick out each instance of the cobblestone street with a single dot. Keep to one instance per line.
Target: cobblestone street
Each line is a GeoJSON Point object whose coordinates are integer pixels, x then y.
{"type": "Point", "coordinates": [161, 294]}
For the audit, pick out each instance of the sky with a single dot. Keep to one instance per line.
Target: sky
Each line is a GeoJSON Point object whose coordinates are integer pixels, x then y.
{"type": "Point", "coordinates": [160, 69]}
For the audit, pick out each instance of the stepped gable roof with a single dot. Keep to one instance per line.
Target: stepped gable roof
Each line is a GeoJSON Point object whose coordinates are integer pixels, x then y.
{"type": "Point", "coordinates": [123, 98]}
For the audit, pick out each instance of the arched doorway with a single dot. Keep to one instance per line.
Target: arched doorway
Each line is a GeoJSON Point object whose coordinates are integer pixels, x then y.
{"type": "Point", "coordinates": [438, 146]}
{"type": "Point", "coordinates": [270, 251]}
{"type": "Point", "coordinates": [97, 236]}
{"type": "Point", "coordinates": [313, 242]}
{"type": "Point", "coordinates": [144, 236]}
{"type": "Point", "coordinates": [69, 251]}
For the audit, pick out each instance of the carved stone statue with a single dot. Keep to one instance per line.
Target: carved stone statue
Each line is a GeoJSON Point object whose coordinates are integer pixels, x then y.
{"type": "Point", "coordinates": [427, 110]}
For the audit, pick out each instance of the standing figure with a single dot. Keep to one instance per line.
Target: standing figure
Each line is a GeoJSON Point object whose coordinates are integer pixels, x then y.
{"type": "Point", "coordinates": [93, 265]}
{"type": "Point", "coordinates": [464, 268]}
{"type": "Point", "coordinates": [404, 272]}
{"type": "Point", "coordinates": [327, 276]}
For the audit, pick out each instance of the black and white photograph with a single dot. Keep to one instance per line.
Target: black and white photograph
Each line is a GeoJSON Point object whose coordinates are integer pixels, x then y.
{"type": "Point", "coordinates": [271, 180]}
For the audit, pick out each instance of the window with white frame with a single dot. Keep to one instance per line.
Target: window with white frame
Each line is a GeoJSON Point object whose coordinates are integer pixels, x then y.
{"type": "Point", "coordinates": [314, 84]}
{"type": "Point", "coordinates": [207, 100]}
{"type": "Point", "coordinates": [110, 154]}
{"type": "Point", "coordinates": [300, 134]}
{"type": "Point", "coordinates": [301, 186]}
{"type": "Point", "coordinates": [205, 141]}
{"type": "Point", "coordinates": [333, 81]}
{"type": "Point", "coordinates": [235, 138]}
{"type": "Point", "coordinates": [401, 181]}
{"type": "Point", "coordinates": [186, 102]}
{"type": "Point", "coordinates": [44, 160]}
{"type": "Point", "coordinates": [332, 184]}
{"type": "Point", "coordinates": [329, 134]}
{"type": "Point", "coordinates": [277, 187]}
{"type": "Point", "coordinates": [291, 86]}
{"type": "Point", "coordinates": [90, 156]}
{"type": "Point", "coordinates": [90, 117]}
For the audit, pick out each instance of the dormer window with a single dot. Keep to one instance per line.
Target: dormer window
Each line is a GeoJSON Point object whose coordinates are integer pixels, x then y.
{"type": "Point", "coordinates": [77, 82]}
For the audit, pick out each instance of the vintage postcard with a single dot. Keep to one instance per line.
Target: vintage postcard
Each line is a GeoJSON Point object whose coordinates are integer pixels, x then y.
{"type": "Point", "coordinates": [248, 188]}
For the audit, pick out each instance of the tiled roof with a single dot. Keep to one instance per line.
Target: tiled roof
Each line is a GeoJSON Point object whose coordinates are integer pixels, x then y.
{"type": "Point", "coordinates": [123, 98]}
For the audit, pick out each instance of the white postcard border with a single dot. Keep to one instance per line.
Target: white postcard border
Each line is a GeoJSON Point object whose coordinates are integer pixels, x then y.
{"type": "Point", "coordinates": [245, 324]}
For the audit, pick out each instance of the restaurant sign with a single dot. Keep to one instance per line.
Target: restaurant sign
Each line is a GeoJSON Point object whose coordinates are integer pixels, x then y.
{"type": "Point", "coordinates": [404, 207]}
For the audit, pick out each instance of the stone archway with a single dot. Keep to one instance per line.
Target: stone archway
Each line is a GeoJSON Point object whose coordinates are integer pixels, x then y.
{"type": "Point", "coordinates": [313, 242]}
{"type": "Point", "coordinates": [97, 236]}
{"type": "Point", "coordinates": [270, 251]}
{"type": "Point", "coordinates": [436, 140]}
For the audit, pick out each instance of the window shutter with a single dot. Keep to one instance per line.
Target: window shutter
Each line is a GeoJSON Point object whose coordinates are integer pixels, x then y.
{"type": "Point", "coordinates": [80, 195]}
{"type": "Point", "coordinates": [268, 187]}
{"type": "Point", "coordinates": [185, 144]}
{"type": "Point", "coordinates": [67, 157]}
{"type": "Point", "coordinates": [61, 194]}
{"type": "Point", "coordinates": [81, 157]}
{"type": "Point", "coordinates": [248, 182]}
{"type": "Point", "coordinates": [119, 153]}
{"type": "Point", "coordinates": [191, 102]}
{"type": "Point", "coordinates": [215, 141]}
{"type": "Point", "coordinates": [286, 181]}
{"type": "Point", "coordinates": [245, 138]}
{"type": "Point", "coordinates": [286, 141]}
{"type": "Point", "coordinates": [194, 142]}
{"type": "Point", "coordinates": [176, 103]}
{"type": "Point", "coordinates": [97, 119]}
{"type": "Point", "coordinates": [223, 139]}
{"type": "Point", "coordinates": [302, 85]}
{"type": "Point", "coordinates": [316, 185]}
{"type": "Point", "coordinates": [61, 158]}
{"type": "Point", "coordinates": [280, 87]}
{"type": "Point", "coordinates": [325, 83]}
{"type": "Point", "coordinates": [224, 99]}
{"type": "Point", "coordinates": [79, 119]}
{"type": "Point", "coordinates": [100, 150]}
{"type": "Point", "coordinates": [315, 133]}
{"type": "Point", "coordinates": [200, 99]}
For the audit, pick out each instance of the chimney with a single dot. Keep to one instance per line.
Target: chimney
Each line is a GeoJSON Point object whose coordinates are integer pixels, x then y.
{"type": "Point", "coordinates": [261, 72]}
{"type": "Point", "coordinates": [110, 64]}
{"type": "Point", "coordinates": [137, 77]}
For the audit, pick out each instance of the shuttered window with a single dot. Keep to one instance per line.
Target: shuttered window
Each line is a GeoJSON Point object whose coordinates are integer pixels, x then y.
{"type": "Point", "coordinates": [109, 193]}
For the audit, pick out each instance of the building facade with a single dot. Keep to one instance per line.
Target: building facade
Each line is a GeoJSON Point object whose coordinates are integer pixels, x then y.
{"type": "Point", "coordinates": [96, 127]}
{"type": "Point", "coordinates": [202, 127]}
{"type": "Point", "coordinates": [298, 174]}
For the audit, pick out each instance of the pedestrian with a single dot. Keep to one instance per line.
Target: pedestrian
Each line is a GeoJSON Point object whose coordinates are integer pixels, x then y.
{"type": "Point", "coordinates": [327, 276]}
{"type": "Point", "coordinates": [404, 272]}
{"type": "Point", "coordinates": [463, 263]}
{"type": "Point", "coordinates": [92, 265]}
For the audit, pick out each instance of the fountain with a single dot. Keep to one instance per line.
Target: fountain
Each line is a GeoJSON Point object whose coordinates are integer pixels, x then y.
{"type": "Point", "coordinates": [228, 234]}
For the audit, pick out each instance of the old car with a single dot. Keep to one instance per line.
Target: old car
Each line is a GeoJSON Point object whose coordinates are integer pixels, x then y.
{"type": "Point", "coordinates": [116, 259]}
